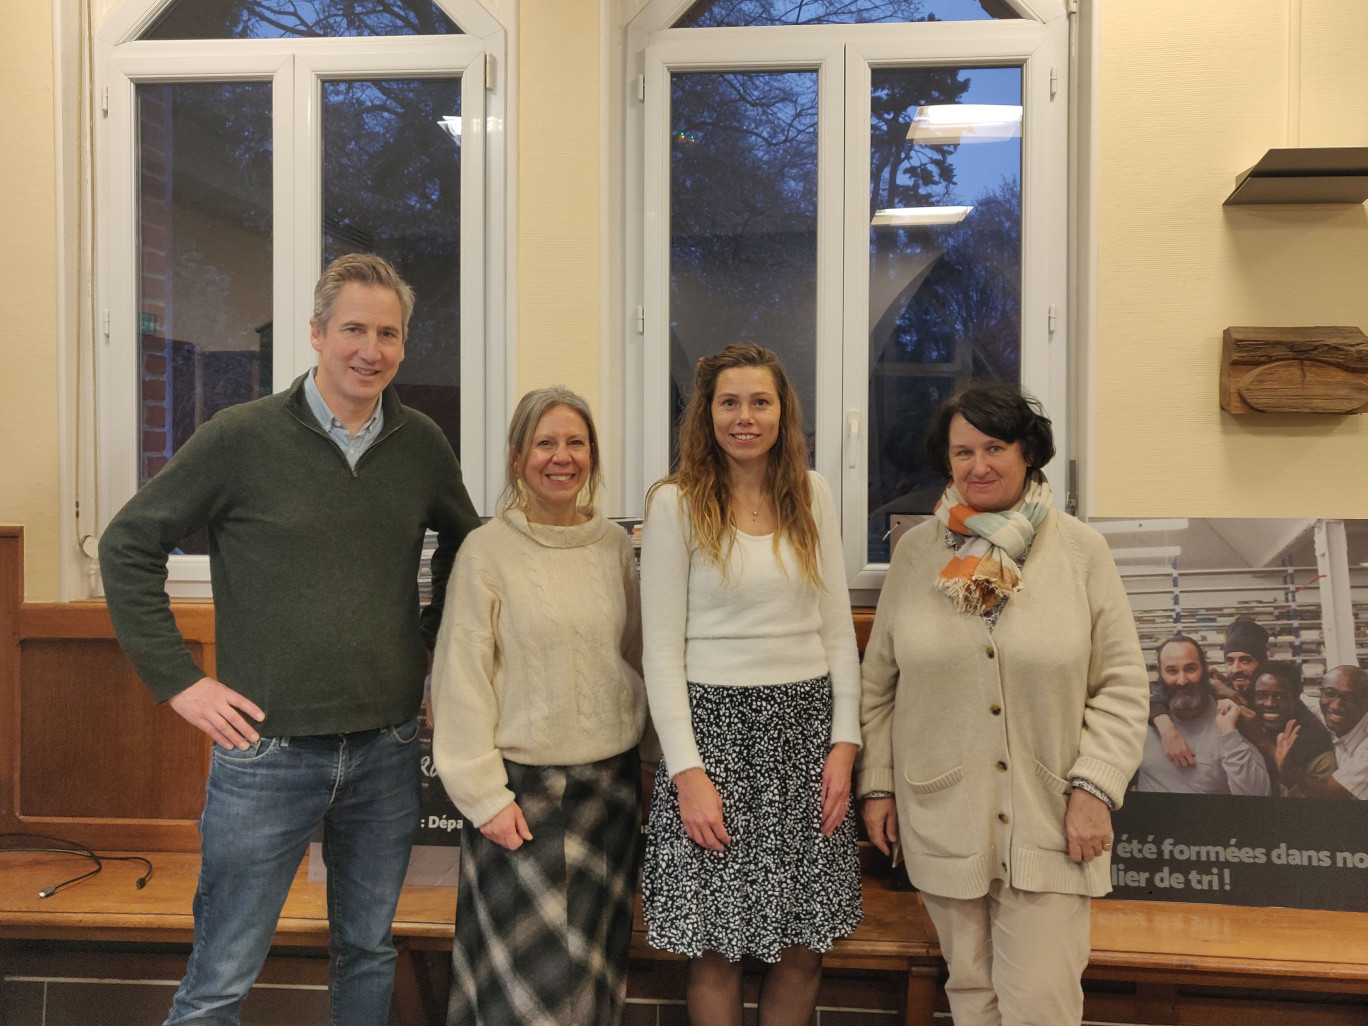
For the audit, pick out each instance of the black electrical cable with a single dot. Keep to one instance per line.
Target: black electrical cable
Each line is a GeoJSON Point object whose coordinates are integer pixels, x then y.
{"type": "Point", "coordinates": [70, 848]}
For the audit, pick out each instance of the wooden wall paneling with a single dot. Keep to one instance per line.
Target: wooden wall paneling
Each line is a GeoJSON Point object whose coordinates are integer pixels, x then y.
{"type": "Point", "coordinates": [87, 754]}
{"type": "Point", "coordinates": [11, 598]}
{"type": "Point", "coordinates": [91, 620]}
{"type": "Point", "coordinates": [864, 623]}
{"type": "Point", "coordinates": [94, 746]}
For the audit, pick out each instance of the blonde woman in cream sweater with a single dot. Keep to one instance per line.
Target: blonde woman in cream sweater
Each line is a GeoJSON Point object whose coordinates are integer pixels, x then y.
{"type": "Point", "coordinates": [538, 707]}
{"type": "Point", "coordinates": [753, 678]}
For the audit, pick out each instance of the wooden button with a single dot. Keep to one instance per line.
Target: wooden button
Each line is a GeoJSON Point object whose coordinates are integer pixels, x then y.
{"type": "Point", "coordinates": [1002, 767]}
{"type": "Point", "coordinates": [991, 654]}
{"type": "Point", "coordinates": [995, 709]}
{"type": "Point", "coordinates": [1002, 816]}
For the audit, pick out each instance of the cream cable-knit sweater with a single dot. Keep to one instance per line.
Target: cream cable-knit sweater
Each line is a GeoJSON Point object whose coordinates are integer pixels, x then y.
{"type": "Point", "coordinates": [757, 622]}
{"type": "Point", "coordinates": [538, 657]}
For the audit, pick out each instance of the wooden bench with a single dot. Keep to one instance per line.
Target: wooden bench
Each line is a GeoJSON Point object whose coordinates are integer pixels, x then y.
{"type": "Point", "coordinates": [1290, 959]}
{"type": "Point", "coordinates": [895, 937]}
{"type": "Point", "coordinates": [108, 908]}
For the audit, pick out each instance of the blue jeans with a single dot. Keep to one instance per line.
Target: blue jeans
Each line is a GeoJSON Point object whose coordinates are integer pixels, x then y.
{"type": "Point", "coordinates": [261, 807]}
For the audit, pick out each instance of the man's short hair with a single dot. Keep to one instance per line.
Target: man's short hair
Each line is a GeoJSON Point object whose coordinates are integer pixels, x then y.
{"type": "Point", "coordinates": [363, 269]}
{"type": "Point", "coordinates": [1182, 639]}
{"type": "Point", "coordinates": [1355, 675]}
{"type": "Point", "coordinates": [1289, 673]}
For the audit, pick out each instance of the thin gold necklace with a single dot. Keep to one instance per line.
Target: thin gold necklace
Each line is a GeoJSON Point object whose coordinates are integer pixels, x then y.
{"type": "Point", "coordinates": [754, 512]}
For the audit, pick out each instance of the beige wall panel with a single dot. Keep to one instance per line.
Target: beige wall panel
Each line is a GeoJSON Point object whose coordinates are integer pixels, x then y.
{"type": "Point", "coordinates": [1181, 117]}
{"type": "Point", "coordinates": [558, 196]}
{"type": "Point", "coordinates": [28, 292]}
{"type": "Point", "coordinates": [1334, 78]}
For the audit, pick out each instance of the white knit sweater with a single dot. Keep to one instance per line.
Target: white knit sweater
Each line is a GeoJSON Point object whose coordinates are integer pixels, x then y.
{"type": "Point", "coordinates": [758, 621]}
{"type": "Point", "coordinates": [538, 657]}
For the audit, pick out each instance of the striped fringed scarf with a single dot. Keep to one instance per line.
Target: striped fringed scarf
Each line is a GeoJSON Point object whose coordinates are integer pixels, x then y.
{"type": "Point", "coordinates": [983, 571]}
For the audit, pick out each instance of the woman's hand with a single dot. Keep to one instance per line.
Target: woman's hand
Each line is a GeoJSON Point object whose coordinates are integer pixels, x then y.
{"type": "Point", "coordinates": [840, 762]}
{"type": "Point", "coordinates": [508, 828]}
{"type": "Point", "coordinates": [700, 808]}
{"type": "Point", "coordinates": [1087, 825]}
{"type": "Point", "coordinates": [880, 817]}
{"type": "Point", "coordinates": [1176, 749]}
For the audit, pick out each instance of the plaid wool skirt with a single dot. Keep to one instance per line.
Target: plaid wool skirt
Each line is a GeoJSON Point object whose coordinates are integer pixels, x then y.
{"type": "Point", "coordinates": [542, 932]}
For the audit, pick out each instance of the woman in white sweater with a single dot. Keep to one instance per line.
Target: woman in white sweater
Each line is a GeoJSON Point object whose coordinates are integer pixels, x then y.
{"type": "Point", "coordinates": [538, 707]}
{"type": "Point", "coordinates": [753, 678]}
{"type": "Point", "coordinates": [1004, 711]}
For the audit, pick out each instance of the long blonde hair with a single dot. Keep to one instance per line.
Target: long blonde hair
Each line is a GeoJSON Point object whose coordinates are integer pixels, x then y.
{"type": "Point", "coordinates": [703, 477]}
{"type": "Point", "coordinates": [522, 430]}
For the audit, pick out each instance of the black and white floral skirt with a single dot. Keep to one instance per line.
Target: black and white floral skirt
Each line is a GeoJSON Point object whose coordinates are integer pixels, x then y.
{"type": "Point", "coordinates": [779, 883]}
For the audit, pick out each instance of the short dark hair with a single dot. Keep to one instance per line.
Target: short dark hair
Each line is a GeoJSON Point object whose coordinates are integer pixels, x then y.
{"type": "Point", "coordinates": [1284, 670]}
{"type": "Point", "coordinates": [1353, 674]}
{"type": "Point", "coordinates": [1000, 410]}
{"type": "Point", "coordinates": [1179, 639]}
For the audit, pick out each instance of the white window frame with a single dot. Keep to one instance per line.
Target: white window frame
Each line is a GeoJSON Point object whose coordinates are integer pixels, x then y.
{"type": "Point", "coordinates": [843, 55]}
{"type": "Point", "coordinates": [296, 69]}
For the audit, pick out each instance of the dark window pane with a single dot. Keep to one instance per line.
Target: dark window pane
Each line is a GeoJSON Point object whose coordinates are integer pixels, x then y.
{"type": "Point", "coordinates": [392, 185]}
{"type": "Point", "coordinates": [945, 263]}
{"type": "Point", "coordinates": [292, 19]}
{"type": "Point", "coordinates": [743, 222]}
{"type": "Point", "coordinates": [708, 13]}
{"type": "Point", "coordinates": [204, 297]}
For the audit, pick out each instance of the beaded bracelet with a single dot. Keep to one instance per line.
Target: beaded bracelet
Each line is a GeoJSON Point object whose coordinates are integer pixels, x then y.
{"type": "Point", "coordinates": [1084, 784]}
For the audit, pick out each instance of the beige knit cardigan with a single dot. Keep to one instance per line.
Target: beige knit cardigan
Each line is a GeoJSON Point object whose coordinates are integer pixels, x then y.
{"type": "Point", "coordinates": [978, 734]}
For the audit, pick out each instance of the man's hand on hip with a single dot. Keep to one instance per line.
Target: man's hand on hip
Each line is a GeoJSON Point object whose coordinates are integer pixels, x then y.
{"type": "Point", "coordinates": [217, 710]}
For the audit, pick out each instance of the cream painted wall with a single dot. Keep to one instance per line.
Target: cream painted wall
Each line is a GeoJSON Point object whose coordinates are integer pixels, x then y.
{"type": "Point", "coordinates": [28, 293]}
{"type": "Point", "coordinates": [1181, 117]}
{"type": "Point", "coordinates": [558, 286]}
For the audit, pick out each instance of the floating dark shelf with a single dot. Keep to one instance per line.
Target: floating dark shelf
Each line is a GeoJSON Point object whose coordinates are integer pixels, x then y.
{"type": "Point", "coordinates": [1327, 174]}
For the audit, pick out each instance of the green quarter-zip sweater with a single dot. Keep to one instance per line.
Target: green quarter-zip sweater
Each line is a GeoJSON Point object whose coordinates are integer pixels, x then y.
{"type": "Point", "coordinates": [314, 564]}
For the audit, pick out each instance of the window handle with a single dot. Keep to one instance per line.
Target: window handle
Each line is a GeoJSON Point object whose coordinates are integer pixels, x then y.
{"type": "Point", "coordinates": [853, 437]}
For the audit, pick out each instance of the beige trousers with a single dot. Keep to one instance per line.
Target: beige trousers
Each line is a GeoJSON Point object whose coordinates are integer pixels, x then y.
{"type": "Point", "coordinates": [1016, 957]}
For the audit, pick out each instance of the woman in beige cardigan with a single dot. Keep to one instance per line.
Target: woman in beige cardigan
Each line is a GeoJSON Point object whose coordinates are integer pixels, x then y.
{"type": "Point", "coordinates": [1003, 713]}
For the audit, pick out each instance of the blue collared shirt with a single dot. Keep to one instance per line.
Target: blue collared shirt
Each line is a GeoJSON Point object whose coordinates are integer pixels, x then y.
{"type": "Point", "coordinates": [352, 445]}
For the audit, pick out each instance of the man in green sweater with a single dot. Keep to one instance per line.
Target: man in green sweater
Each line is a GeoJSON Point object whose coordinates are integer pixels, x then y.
{"type": "Point", "coordinates": [316, 502]}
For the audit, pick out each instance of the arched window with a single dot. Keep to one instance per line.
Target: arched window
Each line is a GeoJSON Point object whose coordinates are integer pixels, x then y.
{"type": "Point", "coordinates": [875, 190]}
{"type": "Point", "coordinates": [241, 145]}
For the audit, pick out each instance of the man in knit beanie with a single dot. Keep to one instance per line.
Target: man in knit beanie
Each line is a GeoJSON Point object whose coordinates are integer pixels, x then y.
{"type": "Point", "coordinates": [1246, 649]}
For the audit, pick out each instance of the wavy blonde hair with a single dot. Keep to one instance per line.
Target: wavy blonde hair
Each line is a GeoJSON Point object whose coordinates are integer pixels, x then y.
{"type": "Point", "coordinates": [703, 476]}
{"type": "Point", "coordinates": [522, 431]}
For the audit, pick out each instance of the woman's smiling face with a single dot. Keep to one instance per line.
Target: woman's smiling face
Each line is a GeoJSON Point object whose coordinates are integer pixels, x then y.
{"type": "Point", "coordinates": [745, 413]}
{"type": "Point", "coordinates": [989, 474]}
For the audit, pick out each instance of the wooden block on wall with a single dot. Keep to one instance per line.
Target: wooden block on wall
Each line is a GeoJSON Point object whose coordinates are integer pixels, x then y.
{"type": "Point", "coordinates": [1294, 370]}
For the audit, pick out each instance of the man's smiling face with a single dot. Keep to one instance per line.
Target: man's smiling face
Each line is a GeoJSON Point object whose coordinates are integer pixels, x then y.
{"type": "Point", "coordinates": [359, 348]}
